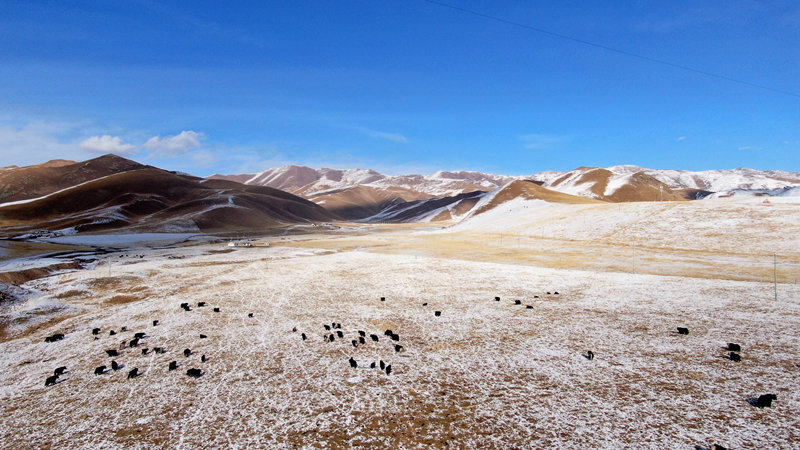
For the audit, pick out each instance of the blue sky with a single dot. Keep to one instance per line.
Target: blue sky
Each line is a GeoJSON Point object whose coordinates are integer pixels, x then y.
{"type": "Point", "coordinates": [401, 86]}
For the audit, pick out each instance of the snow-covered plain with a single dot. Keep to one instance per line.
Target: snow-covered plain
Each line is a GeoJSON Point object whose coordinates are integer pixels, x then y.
{"type": "Point", "coordinates": [485, 374]}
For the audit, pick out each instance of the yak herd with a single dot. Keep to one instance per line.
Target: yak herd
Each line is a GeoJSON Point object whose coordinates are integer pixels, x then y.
{"type": "Point", "coordinates": [333, 332]}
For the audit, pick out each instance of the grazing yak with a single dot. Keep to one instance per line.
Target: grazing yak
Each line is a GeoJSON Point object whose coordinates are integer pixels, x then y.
{"type": "Point", "coordinates": [60, 370]}
{"type": "Point", "coordinates": [96, 331]}
{"type": "Point", "coordinates": [765, 401]}
{"type": "Point", "coordinates": [173, 365]}
{"type": "Point", "coordinates": [590, 355]}
{"type": "Point", "coordinates": [114, 366]}
{"type": "Point", "coordinates": [250, 315]}
{"type": "Point", "coordinates": [353, 363]}
{"type": "Point", "coordinates": [187, 352]}
{"type": "Point", "coordinates": [155, 323]}
{"type": "Point", "coordinates": [374, 337]}
{"type": "Point", "coordinates": [133, 373]}
{"type": "Point", "coordinates": [734, 347]}
{"type": "Point", "coordinates": [99, 370]}
{"type": "Point", "coordinates": [437, 313]}
{"type": "Point", "coordinates": [51, 380]}
{"type": "Point", "coordinates": [216, 309]}
{"type": "Point", "coordinates": [735, 357]}
{"type": "Point", "coordinates": [54, 337]}
{"type": "Point", "coordinates": [682, 330]}
{"type": "Point", "coordinates": [112, 353]}
{"type": "Point", "coordinates": [194, 373]}
{"type": "Point", "coordinates": [388, 369]}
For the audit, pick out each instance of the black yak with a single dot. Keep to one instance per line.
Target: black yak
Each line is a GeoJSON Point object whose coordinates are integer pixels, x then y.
{"type": "Point", "coordinates": [194, 373]}
{"type": "Point", "coordinates": [51, 380]}
{"type": "Point", "coordinates": [60, 370]}
{"type": "Point", "coordinates": [353, 363]}
{"type": "Point", "coordinates": [765, 401]}
{"type": "Point", "coordinates": [682, 330]}
{"type": "Point", "coordinates": [54, 337]}
{"type": "Point", "coordinates": [112, 353]}
{"type": "Point", "coordinates": [133, 373]}
{"type": "Point", "coordinates": [99, 370]}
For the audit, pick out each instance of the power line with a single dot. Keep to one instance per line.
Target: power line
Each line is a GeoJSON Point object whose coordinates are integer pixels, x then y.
{"type": "Point", "coordinates": [612, 49]}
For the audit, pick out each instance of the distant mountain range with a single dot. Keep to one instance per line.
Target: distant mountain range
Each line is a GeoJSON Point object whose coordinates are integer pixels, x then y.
{"type": "Point", "coordinates": [359, 194]}
{"type": "Point", "coordinates": [112, 193]}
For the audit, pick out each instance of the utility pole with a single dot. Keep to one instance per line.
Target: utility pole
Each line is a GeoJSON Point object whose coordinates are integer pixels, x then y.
{"type": "Point", "coordinates": [775, 274]}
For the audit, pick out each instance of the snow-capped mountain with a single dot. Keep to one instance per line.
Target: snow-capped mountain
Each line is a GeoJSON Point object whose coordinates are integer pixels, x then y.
{"type": "Point", "coordinates": [360, 194]}
{"type": "Point", "coordinates": [308, 182]}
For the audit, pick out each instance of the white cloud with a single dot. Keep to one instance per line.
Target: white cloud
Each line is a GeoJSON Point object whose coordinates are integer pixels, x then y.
{"type": "Point", "coordinates": [745, 147]}
{"type": "Point", "coordinates": [542, 141]}
{"type": "Point", "coordinates": [107, 144]}
{"type": "Point", "coordinates": [682, 138]}
{"type": "Point", "coordinates": [174, 145]}
{"type": "Point", "coordinates": [32, 144]}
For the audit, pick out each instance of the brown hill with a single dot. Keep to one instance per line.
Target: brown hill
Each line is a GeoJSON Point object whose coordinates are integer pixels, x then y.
{"type": "Point", "coordinates": [359, 202]}
{"type": "Point", "coordinates": [530, 190]}
{"type": "Point", "coordinates": [22, 183]}
{"type": "Point", "coordinates": [595, 182]}
{"type": "Point", "coordinates": [154, 199]}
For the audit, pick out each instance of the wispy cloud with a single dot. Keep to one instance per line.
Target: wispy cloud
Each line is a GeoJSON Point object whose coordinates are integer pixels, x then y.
{"type": "Point", "coordinates": [682, 138]}
{"type": "Point", "coordinates": [542, 141]}
{"type": "Point", "coordinates": [107, 144]}
{"type": "Point", "coordinates": [177, 145]}
{"type": "Point", "coordinates": [394, 137]}
{"type": "Point", "coordinates": [745, 147]}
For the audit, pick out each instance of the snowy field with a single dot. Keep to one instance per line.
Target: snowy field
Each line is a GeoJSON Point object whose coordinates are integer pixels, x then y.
{"type": "Point", "coordinates": [485, 374]}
